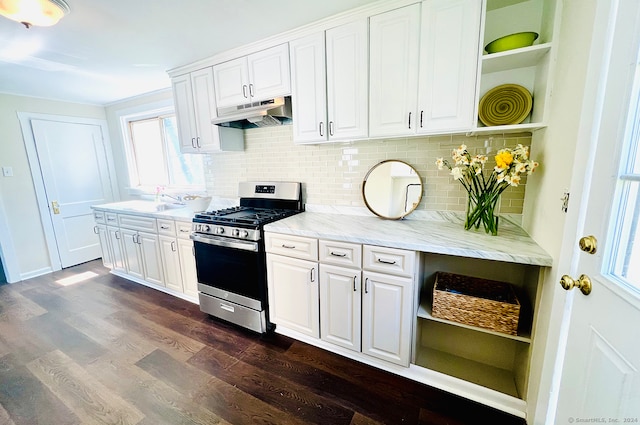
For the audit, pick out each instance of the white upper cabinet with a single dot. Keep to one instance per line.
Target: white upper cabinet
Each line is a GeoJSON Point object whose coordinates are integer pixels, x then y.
{"type": "Point", "coordinates": [330, 84]}
{"type": "Point", "coordinates": [259, 76]}
{"type": "Point", "coordinates": [347, 81]}
{"type": "Point", "coordinates": [424, 61]}
{"type": "Point", "coordinates": [194, 104]}
{"type": "Point", "coordinates": [393, 90]}
{"type": "Point", "coordinates": [308, 89]}
{"type": "Point", "coordinates": [449, 50]}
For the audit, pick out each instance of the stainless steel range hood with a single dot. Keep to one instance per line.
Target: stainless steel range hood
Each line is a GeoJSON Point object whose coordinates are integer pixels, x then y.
{"type": "Point", "coordinates": [266, 113]}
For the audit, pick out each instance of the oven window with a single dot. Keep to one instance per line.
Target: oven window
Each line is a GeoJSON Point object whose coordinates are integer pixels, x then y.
{"type": "Point", "coordinates": [234, 270]}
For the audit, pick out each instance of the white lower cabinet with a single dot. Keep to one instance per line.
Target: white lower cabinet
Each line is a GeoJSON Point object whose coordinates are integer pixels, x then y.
{"type": "Point", "coordinates": [387, 317]}
{"type": "Point", "coordinates": [150, 251]}
{"type": "Point", "coordinates": [117, 254]}
{"type": "Point", "coordinates": [103, 237]}
{"type": "Point", "coordinates": [363, 298]}
{"type": "Point", "coordinates": [293, 294]}
{"type": "Point", "coordinates": [341, 306]}
{"type": "Point", "coordinates": [187, 260]}
{"type": "Point", "coordinates": [171, 262]}
{"type": "Point", "coordinates": [142, 254]}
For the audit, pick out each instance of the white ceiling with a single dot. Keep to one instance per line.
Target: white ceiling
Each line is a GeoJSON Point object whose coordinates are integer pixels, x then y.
{"type": "Point", "coordinates": [104, 51]}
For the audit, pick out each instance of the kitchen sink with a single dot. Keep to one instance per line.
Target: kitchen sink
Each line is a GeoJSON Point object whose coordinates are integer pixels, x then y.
{"type": "Point", "coordinates": [150, 206]}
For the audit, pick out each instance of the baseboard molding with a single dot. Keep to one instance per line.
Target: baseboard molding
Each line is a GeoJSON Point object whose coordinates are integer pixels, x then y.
{"type": "Point", "coordinates": [36, 273]}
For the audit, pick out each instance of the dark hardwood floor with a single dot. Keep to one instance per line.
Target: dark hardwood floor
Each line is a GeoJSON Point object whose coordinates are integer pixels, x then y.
{"type": "Point", "coordinates": [108, 351]}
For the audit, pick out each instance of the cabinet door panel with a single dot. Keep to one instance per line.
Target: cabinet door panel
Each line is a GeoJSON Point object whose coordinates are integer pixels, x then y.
{"type": "Point", "coordinates": [231, 82]}
{"type": "Point", "coordinates": [185, 115]}
{"type": "Point", "coordinates": [170, 262]}
{"type": "Point", "coordinates": [269, 73]}
{"type": "Point", "coordinates": [188, 268]}
{"type": "Point", "coordinates": [131, 250]}
{"type": "Point", "coordinates": [105, 246]}
{"type": "Point", "coordinates": [387, 314]}
{"type": "Point", "coordinates": [208, 137]}
{"type": "Point", "coordinates": [394, 43]}
{"type": "Point", "coordinates": [115, 242]}
{"type": "Point", "coordinates": [152, 260]}
{"type": "Point", "coordinates": [340, 306]}
{"type": "Point", "coordinates": [347, 81]}
{"type": "Point", "coordinates": [308, 86]}
{"type": "Point", "coordinates": [293, 294]}
{"type": "Point", "coordinates": [448, 64]}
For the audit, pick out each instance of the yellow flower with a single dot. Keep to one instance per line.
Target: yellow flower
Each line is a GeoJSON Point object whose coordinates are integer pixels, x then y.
{"type": "Point", "coordinates": [504, 159]}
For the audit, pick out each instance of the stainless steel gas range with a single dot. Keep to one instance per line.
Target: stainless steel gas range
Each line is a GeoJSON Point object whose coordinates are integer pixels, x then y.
{"type": "Point", "coordinates": [230, 253]}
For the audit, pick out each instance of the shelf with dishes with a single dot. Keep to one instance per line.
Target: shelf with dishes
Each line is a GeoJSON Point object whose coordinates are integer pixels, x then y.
{"type": "Point", "coordinates": [517, 54]}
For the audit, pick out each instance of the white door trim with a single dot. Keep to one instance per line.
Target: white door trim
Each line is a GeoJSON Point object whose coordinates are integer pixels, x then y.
{"type": "Point", "coordinates": [36, 173]}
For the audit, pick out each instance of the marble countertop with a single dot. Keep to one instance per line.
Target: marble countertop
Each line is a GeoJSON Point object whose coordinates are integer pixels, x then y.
{"type": "Point", "coordinates": [441, 233]}
{"type": "Point", "coordinates": [147, 209]}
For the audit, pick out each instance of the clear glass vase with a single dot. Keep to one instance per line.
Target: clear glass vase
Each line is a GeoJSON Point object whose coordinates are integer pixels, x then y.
{"type": "Point", "coordinates": [481, 210]}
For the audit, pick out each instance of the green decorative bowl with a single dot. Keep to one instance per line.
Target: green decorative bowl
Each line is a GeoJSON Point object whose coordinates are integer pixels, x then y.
{"type": "Point", "coordinates": [511, 41]}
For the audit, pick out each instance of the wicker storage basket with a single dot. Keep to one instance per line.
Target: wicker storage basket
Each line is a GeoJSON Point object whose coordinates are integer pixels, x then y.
{"type": "Point", "coordinates": [484, 303]}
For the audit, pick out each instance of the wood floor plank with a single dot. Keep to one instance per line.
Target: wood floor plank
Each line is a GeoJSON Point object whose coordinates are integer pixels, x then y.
{"type": "Point", "coordinates": [160, 402]}
{"type": "Point", "coordinates": [224, 398]}
{"type": "Point", "coordinates": [128, 348]}
{"type": "Point", "coordinates": [14, 304]}
{"type": "Point", "coordinates": [57, 333]}
{"type": "Point", "coordinates": [25, 344]}
{"type": "Point", "coordinates": [261, 383]}
{"type": "Point", "coordinates": [89, 399]}
{"type": "Point", "coordinates": [4, 417]}
{"type": "Point", "coordinates": [179, 346]}
{"type": "Point", "coordinates": [231, 340]}
{"type": "Point", "coordinates": [365, 399]}
{"type": "Point", "coordinates": [359, 419]}
{"type": "Point", "coordinates": [26, 400]}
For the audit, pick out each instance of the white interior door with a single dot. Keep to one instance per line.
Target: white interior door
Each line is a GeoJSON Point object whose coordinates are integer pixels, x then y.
{"type": "Point", "coordinates": [75, 173]}
{"type": "Point", "coordinates": [601, 369]}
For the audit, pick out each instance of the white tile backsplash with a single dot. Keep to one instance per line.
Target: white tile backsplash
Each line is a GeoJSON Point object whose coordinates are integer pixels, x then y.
{"type": "Point", "coordinates": [332, 173]}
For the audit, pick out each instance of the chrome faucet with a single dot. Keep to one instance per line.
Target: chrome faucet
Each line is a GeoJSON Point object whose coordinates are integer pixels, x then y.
{"type": "Point", "coordinates": [176, 198]}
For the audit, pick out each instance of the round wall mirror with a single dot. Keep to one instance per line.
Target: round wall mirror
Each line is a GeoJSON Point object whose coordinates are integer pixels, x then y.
{"type": "Point", "coordinates": [392, 189]}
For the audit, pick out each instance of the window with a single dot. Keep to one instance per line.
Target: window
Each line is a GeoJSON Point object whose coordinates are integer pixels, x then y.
{"type": "Point", "coordinates": [624, 264]}
{"type": "Point", "coordinates": [154, 155]}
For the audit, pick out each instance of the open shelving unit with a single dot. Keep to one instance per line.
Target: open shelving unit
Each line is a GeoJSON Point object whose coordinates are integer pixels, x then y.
{"type": "Point", "coordinates": [490, 359]}
{"type": "Point", "coordinates": [528, 66]}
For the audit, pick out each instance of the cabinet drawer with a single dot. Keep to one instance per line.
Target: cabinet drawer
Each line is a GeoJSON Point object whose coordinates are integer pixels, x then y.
{"type": "Point", "coordinates": [166, 227]}
{"type": "Point", "coordinates": [99, 217]}
{"type": "Point", "coordinates": [111, 218]}
{"type": "Point", "coordinates": [292, 246]}
{"type": "Point", "coordinates": [340, 253]}
{"type": "Point", "coordinates": [183, 229]}
{"type": "Point", "coordinates": [389, 260]}
{"type": "Point", "coordinates": [137, 222]}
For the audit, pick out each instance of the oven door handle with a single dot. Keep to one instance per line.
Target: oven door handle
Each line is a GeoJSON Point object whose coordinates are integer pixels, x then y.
{"type": "Point", "coordinates": [225, 242]}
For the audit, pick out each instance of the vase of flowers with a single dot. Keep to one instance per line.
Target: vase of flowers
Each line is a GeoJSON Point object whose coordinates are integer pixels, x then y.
{"type": "Point", "coordinates": [484, 189]}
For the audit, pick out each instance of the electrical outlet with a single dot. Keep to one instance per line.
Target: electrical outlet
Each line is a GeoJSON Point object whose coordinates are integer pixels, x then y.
{"type": "Point", "coordinates": [7, 171]}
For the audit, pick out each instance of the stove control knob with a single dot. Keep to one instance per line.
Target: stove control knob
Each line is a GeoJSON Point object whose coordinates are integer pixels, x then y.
{"type": "Point", "coordinates": [220, 230]}
{"type": "Point", "coordinates": [236, 232]}
{"type": "Point", "coordinates": [205, 228]}
{"type": "Point", "coordinates": [245, 234]}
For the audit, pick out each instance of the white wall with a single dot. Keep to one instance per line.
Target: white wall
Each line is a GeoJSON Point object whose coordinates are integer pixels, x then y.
{"type": "Point", "coordinates": [22, 237]}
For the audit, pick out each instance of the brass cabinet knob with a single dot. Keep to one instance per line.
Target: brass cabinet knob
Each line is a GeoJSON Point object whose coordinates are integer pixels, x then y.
{"type": "Point", "coordinates": [583, 283]}
{"type": "Point", "coordinates": [588, 244]}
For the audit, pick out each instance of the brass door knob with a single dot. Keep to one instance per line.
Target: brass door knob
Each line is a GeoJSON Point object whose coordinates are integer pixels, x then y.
{"type": "Point", "coordinates": [588, 244]}
{"type": "Point", "coordinates": [583, 283]}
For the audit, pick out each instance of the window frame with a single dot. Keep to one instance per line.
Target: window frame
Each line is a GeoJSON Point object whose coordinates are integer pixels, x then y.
{"type": "Point", "coordinates": [133, 181]}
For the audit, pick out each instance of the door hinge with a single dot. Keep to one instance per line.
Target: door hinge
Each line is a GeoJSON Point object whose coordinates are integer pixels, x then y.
{"type": "Point", "coordinates": [565, 201]}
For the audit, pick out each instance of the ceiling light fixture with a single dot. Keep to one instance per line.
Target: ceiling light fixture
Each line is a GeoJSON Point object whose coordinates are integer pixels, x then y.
{"type": "Point", "coordinates": [43, 13]}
